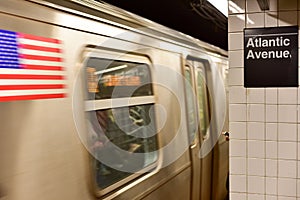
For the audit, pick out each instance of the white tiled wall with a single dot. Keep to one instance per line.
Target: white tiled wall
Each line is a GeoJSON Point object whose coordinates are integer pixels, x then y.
{"type": "Point", "coordinates": [264, 122]}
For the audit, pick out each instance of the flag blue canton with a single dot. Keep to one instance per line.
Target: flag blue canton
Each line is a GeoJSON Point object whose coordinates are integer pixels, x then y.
{"type": "Point", "coordinates": [9, 56]}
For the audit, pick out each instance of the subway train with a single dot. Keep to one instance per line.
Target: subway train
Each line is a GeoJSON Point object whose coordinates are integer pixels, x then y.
{"type": "Point", "coordinates": [99, 103]}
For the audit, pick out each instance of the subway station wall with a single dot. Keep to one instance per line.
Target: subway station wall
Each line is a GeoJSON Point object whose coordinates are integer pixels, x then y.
{"type": "Point", "coordinates": [264, 122]}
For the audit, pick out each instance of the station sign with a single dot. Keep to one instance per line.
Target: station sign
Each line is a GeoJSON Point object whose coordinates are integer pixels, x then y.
{"type": "Point", "coordinates": [271, 57]}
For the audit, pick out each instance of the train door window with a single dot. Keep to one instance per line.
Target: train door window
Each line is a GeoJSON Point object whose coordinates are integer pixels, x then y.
{"type": "Point", "coordinates": [121, 120]}
{"type": "Point", "coordinates": [191, 108]}
{"type": "Point", "coordinates": [202, 96]}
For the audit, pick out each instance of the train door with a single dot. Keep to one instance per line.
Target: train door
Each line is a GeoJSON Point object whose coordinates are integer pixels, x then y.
{"type": "Point", "coordinates": [204, 130]}
{"type": "Point", "coordinates": [192, 129]}
{"type": "Point", "coordinates": [198, 108]}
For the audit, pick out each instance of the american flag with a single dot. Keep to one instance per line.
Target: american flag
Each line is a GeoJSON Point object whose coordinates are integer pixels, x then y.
{"type": "Point", "coordinates": [31, 67]}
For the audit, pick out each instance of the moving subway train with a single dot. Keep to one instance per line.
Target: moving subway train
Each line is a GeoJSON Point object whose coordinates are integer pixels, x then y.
{"type": "Point", "coordinates": [98, 103]}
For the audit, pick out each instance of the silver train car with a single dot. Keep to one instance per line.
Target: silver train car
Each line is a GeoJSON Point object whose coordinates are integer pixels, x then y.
{"type": "Point", "coordinates": [98, 103]}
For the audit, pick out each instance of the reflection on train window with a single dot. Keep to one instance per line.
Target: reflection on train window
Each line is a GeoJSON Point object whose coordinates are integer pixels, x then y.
{"type": "Point", "coordinates": [203, 109]}
{"type": "Point", "coordinates": [115, 135]}
{"type": "Point", "coordinates": [114, 79]}
{"type": "Point", "coordinates": [192, 125]}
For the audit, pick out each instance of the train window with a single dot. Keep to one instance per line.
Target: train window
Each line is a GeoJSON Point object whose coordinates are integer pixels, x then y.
{"type": "Point", "coordinates": [192, 125]}
{"type": "Point", "coordinates": [121, 121]}
{"type": "Point", "coordinates": [115, 79]}
{"type": "Point", "coordinates": [116, 133]}
{"type": "Point", "coordinates": [203, 104]}
{"type": "Point", "coordinates": [195, 73]}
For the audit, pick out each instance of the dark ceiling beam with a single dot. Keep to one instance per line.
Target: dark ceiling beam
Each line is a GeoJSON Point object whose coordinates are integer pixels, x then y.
{"type": "Point", "coordinates": [264, 4]}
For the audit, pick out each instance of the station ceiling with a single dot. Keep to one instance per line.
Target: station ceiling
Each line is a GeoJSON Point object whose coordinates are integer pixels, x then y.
{"type": "Point", "coordinates": [196, 18]}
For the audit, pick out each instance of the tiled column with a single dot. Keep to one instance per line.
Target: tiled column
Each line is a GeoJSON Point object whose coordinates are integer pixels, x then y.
{"type": "Point", "coordinates": [264, 122]}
